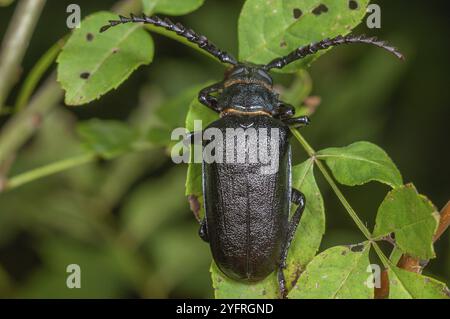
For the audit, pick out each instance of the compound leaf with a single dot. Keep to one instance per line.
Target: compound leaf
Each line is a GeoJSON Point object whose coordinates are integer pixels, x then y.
{"type": "Point", "coordinates": [409, 285]}
{"type": "Point", "coordinates": [272, 28]}
{"type": "Point", "coordinates": [338, 272]}
{"type": "Point", "coordinates": [360, 163]}
{"type": "Point", "coordinates": [92, 64]}
{"type": "Point", "coordinates": [413, 219]}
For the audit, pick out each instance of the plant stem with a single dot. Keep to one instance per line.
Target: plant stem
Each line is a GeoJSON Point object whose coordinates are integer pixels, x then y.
{"type": "Point", "coordinates": [23, 125]}
{"type": "Point", "coordinates": [49, 169]}
{"type": "Point", "coordinates": [311, 152]}
{"type": "Point", "coordinates": [15, 43]}
{"type": "Point", "coordinates": [37, 72]}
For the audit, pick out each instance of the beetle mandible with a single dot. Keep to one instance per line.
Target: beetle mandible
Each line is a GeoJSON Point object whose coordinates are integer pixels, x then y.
{"type": "Point", "coordinates": [247, 219]}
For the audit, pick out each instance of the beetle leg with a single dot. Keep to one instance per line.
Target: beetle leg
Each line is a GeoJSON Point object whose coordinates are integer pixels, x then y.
{"type": "Point", "coordinates": [203, 231]}
{"type": "Point", "coordinates": [298, 199]}
{"type": "Point", "coordinates": [207, 99]}
{"type": "Point", "coordinates": [297, 121]}
{"type": "Point", "coordinates": [284, 111]}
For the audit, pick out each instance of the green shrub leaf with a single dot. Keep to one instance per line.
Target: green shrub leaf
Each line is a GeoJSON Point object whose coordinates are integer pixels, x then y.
{"type": "Point", "coordinates": [226, 288]}
{"type": "Point", "coordinates": [309, 233]}
{"type": "Point", "coordinates": [269, 29]}
{"type": "Point", "coordinates": [92, 64]}
{"type": "Point", "coordinates": [360, 163]}
{"type": "Point", "coordinates": [197, 111]}
{"type": "Point", "coordinates": [413, 219]}
{"type": "Point", "coordinates": [408, 285]}
{"type": "Point", "coordinates": [107, 138]}
{"type": "Point", "coordinates": [171, 7]}
{"type": "Point", "coordinates": [338, 272]}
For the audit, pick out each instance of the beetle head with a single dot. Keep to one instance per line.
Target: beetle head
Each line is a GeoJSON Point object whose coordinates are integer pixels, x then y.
{"type": "Point", "coordinates": [249, 73]}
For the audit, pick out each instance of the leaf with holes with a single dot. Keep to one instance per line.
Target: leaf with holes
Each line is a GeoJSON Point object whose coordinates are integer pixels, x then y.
{"type": "Point", "coordinates": [309, 232]}
{"type": "Point", "coordinates": [226, 288]}
{"type": "Point", "coordinates": [337, 273]}
{"type": "Point", "coordinates": [360, 163]}
{"type": "Point", "coordinates": [107, 138]}
{"type": "Point", "coordinates": [408, 285]}
{"type": "Point", "coordinates": [92, 64]}
{"type": "Point", "coordinates": [272, 28]}
{"type": "Point", "coordinates": [413, 219]}
{"type": "Point", "coordinates": [171, 7]}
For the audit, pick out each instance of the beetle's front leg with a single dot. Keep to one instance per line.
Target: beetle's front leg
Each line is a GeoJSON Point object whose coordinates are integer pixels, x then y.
{"type": "Point", "coordinates": [297, 121]}
{"type": "Point", "coordinates": [207, 99]}
{"type": "Point", "coordinates": [298, 199]}
{"type": "Point", "coordinates": [284, 111]}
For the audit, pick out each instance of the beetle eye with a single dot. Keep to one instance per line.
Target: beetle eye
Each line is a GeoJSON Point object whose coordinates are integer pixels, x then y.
{"type": "Point", "coordinates": [265, 76]}
{"type": "Point", "coordinates": [237, 71]}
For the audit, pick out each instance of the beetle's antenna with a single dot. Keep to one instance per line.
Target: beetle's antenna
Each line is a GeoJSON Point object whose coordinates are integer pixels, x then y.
{"type": "Point", "coordinates": [179, 29]}
{"type": "Point", "coordinates": [312, 48]}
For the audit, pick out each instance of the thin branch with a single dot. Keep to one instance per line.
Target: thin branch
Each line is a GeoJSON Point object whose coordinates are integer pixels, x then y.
{"type": "Point", "coordinates": [49, 169]}
{"type": "Point", "coordinates": [15, 43]}
{"type": "Point", "coordinates": [23, 125]}
{"type": "Point", "coordinates": [36, 74]}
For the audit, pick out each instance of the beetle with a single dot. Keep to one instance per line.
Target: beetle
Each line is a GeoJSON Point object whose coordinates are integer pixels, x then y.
{"type": "Point", "coordinates": [247, 214]}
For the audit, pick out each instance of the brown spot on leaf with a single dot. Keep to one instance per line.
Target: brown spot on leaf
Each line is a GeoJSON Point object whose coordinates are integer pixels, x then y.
{"type": "Point", "coordinates": [283, 44]}
{"type": "Point", "coordinates": [115, 50]}
{"type": "Point", "coordinates": [353, 4]}
{"type": "Point", "coordinates": [85, 75]}
{"type": "Point", "coordinates": [297, 13]}
{"type": "Point", "coordinates": [89, 37]}
{"type": "Point", "coordinates": [321, 8]}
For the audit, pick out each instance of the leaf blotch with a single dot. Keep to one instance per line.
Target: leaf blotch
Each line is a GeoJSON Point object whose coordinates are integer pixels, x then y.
{"type": "Point", "coordinates": [89, 37]}
{"type": "Point", "coordinates": [283, 44]}
{"type": "Point", "coordinates": [353, 4]}
{"type": "Point", "coordinates": [297, 13]}
{"type": "Point", "coordinates": [321, 8]}
{"type": "Point", "coordinates": [85, 75]}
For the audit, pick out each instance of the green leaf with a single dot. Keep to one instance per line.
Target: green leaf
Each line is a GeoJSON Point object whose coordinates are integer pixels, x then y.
{"type": "Point", "coordinates": [272, 28]}
{"type": "Point", "coordinates": [91, 64]}
{"type": "Point", "coordinates": [197, 112]}
{"type": "Point", "coordinates": [408, 285]}
{"type": "Point", "coordinates": [337, 273]}
{"type": "Point", "coordinates": [309, 233]}
{"type": "Point", "coordinates": [360, 163]}
{"type": "Point", "coordinates": [413, 219]}
{"type": "Point", "coordinates": [226, 288]}
{"type": "Point", "coordinates": [171, 7]}
{"type": "Point", "coordinates": [107, 138]}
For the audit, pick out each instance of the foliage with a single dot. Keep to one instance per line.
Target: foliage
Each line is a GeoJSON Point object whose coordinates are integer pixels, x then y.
{"type": "Point", "coordinates": [92, 64]}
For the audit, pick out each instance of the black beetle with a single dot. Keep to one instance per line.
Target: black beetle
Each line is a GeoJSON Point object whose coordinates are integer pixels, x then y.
{"type": "Point", "coordinates": [247, 213]}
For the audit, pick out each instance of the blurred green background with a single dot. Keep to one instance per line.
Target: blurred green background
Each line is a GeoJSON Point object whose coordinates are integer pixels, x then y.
{"type": "Point", "coordinates": [127, 222]}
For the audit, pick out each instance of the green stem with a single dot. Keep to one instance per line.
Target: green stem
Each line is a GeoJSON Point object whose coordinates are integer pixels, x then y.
{"type": "Point", "coordinates": [312, 153]}
{"type": "Point", "coordinates": [49, 169]}
{"type": "Point", "coordinates": [37, 72]}
{"type": "Point", "coordinates": [15, 43]}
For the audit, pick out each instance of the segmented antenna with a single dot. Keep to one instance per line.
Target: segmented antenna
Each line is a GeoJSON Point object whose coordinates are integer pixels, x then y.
{"type": "Point", "coordinates": [312, 48]}
{"type": "Point", "coordinates": [179, 29]}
